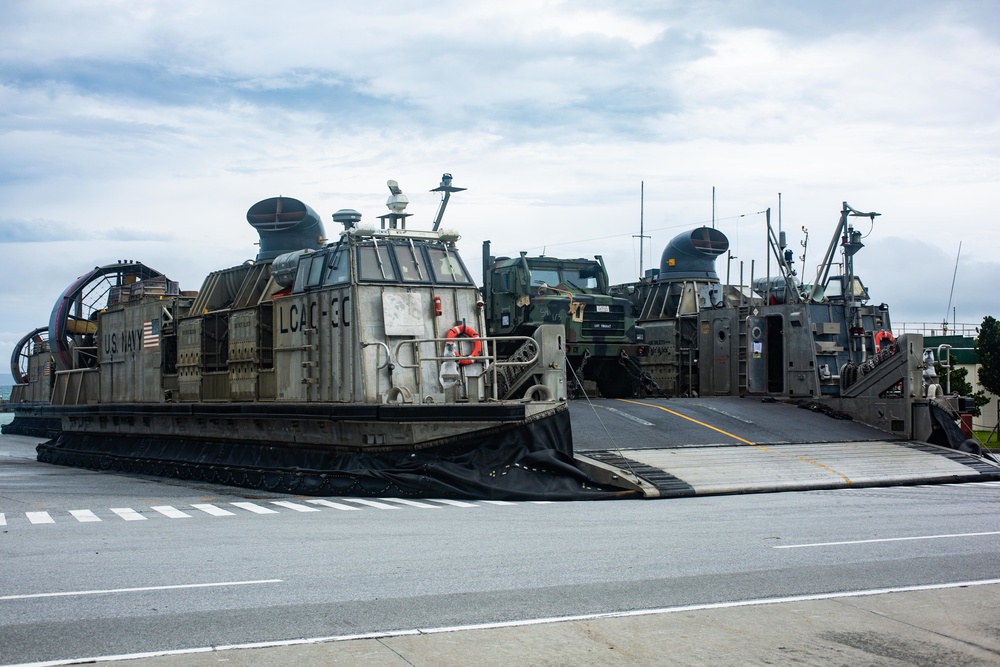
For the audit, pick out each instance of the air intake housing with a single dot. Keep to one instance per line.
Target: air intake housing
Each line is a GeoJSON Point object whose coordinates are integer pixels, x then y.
{"type": "Point", "coordinates": [692, 255]}
{"type": "Point", "coordinates": [284, 225]}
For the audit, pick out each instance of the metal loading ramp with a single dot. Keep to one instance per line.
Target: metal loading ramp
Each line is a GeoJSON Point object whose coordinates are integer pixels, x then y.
{"type": "Point", "coordinates": [727, 445]}
{"type": "Point", "coordinates": [726, 469]}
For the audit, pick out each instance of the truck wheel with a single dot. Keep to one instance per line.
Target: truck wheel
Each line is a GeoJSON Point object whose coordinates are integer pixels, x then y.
{"type": "Point", "coordinates": [615, 383]}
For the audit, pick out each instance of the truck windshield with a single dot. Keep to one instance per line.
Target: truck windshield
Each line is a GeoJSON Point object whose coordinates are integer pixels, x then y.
{"type": "Point", "coordinates": [549, 277]}
{"type": "Point", "coordinates": [575, 278]}
{"type": "Point", "coordinates": [580, 278]}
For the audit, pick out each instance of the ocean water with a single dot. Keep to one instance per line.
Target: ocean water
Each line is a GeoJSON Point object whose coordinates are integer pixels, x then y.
{"type": "Point", "coordinates": [5, 391]}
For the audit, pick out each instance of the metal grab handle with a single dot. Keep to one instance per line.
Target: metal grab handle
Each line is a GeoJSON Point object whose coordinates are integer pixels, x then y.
{"type": "Point", "coordinates": [944, 358]}
{"type": "Point", "coordinates": [388, 353]}
{"type": "Point", "coordinates": [486, 357]}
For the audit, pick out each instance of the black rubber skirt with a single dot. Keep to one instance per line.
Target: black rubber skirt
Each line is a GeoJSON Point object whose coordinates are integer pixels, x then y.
{"type": "Point", "coordinates": [525, 461]}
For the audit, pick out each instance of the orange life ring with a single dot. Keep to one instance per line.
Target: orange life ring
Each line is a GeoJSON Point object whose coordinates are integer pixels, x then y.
{"type": "Point", "coordinates": [883, 336]}
{"type": "Point", "coordinates": [461, 330]}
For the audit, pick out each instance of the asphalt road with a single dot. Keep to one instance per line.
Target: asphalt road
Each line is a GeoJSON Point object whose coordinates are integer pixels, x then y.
{"type": "Point", "coordinates": [695, 422]}
{"type": "Point", "coordinates": [103, 564]}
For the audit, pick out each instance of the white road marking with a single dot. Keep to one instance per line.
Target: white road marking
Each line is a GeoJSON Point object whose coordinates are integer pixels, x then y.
{"type": "Point", "coordinates": [212, 509]}
{"type": "Point", "coordinates": [512, 624]}
{"type": "Point", "coordinates": [30, 596]}
{"type": "Point", "coordinates": [723, 412]}
{"type": "Point", "coordinates": [971, 484]}
{"type": "Point", "coordinates": [412, 503]}
{"type": "Point", "coordinates": [622, 413]}
{"type": "Point", "coordinates": [294, 506]}
{"type": "Point", "coordinates": [170, 512]}
{"type": "Point", "coordinates": [370, 503]}
{"type": "Point", "coordinates": [453, 503]}
{"type": "Point", "coordinates": [337, 506]}
{"type": "Point", "coordinates": [883, 539]}
{"type": "Point", "coordinates": [128, 514]}
{"type": "Point", "coordinates": [255, 508]}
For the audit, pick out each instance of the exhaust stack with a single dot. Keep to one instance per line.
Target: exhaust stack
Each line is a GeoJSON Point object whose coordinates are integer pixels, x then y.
{"type": "Point", "coordinates": [285, 225]}
{"type": "Point", "coordinates": [692, 255]}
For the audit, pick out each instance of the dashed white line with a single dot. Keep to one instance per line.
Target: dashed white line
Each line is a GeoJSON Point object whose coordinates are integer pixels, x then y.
{"type": "Point", "coordinates": [337, 506]}
{"type": "Point", "coordinates": [453, 503]}
{"type": "Point", "coordinates": [344, 504]}
{"type": "Point", "coordinates": [212, 509]}
{"type": "Point", "coordinates": [170, 512]}
{"type": "Point", "coordinates": [412, 503]}
{"type": "Point", "coordinates": [371, 503]}
{"type": "Point", "coordinates": [128, 514]}
{"type": "Point", "coordinates": [255, 508]}
{"type": "Point", "coordinates": [294, 506]}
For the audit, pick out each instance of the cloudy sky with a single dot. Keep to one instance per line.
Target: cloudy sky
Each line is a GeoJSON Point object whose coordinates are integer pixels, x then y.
{"type": "Point", "coordinates": [144, 129]}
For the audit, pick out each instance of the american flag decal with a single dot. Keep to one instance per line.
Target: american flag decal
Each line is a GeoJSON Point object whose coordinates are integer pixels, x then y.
{"type": "Point", "coordinates": [150, 334]}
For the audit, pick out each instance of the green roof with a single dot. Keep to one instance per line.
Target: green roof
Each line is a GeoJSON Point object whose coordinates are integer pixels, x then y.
{"type": "Point", "coordinates": [963, 348]}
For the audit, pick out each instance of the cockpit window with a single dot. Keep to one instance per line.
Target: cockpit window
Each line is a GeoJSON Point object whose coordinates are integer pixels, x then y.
{"type": "Point", "coordinates": [447, 266]}
{"type": "Point", "coordinates": [374, 263]}
{"type": "Point", "coordinates": [835, 288]}
{"type": "Point", "coordinates": [338, 269]}
{"type": "Point", "coordinates": [310, 271]}
{"type": "Point", "coordinates": [859, 289]}
{"type": "Point", "coordinates": [412, 265]}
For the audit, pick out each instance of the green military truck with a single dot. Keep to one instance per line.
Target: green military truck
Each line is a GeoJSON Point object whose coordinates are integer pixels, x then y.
{"type": "Point", "coordinates": [602, 339]}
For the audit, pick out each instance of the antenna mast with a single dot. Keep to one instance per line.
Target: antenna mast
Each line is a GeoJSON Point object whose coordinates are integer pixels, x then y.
{"type": "Point", "coordinates": [642, 233]}
{"type": "Point", "coordinates": [446, 188]}
{"type": "Point", "coordinates": [713, 207]}
{"type": "Point", "coordinates": [952, 293]}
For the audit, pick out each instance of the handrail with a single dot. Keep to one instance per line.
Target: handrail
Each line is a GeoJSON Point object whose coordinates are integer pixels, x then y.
{"type": "Point", "coordinates": [945, 361]}
{"type": "Point", "coordinates": [388, 354]}
{"type": "Point", "coordinates": [492, 360]}
{"type": "Point", "coordinates": [963, 329]}
{"type": "Point", "coordinates": [483, 357]}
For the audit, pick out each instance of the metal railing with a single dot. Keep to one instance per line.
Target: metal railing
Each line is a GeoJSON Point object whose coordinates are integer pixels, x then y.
{"type": "Point", "coordinates": [937, 328]}
{"type": "Point", "coordinates": [494, 363]}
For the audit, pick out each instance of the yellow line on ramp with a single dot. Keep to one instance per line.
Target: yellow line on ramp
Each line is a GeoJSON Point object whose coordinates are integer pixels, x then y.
{"type": "Point", "coordinates": [691, 419]}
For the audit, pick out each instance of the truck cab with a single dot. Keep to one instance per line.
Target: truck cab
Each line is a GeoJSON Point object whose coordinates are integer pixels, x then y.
{"type": "Point", "coordinates": [522, 293]}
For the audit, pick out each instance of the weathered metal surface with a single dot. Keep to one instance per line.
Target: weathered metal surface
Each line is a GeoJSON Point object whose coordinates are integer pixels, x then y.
{"type": "Point", "coordinates": [689, 446]}
{"type": "Point", "coordinates": [757, 468]}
